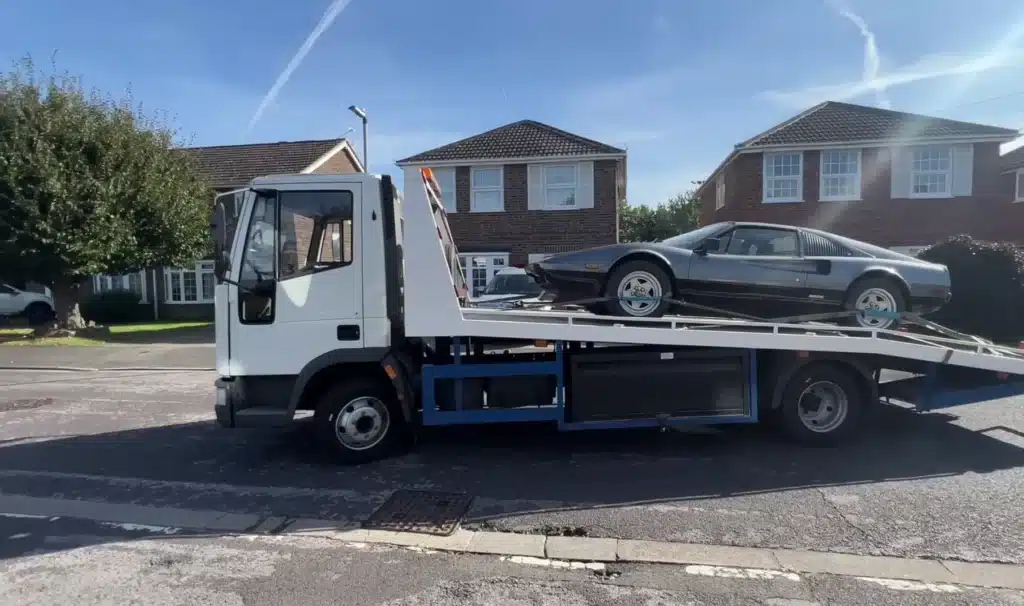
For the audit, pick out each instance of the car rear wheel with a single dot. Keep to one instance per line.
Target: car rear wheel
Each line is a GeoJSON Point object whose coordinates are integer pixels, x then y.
{"type": "Point", "coordinates": [878, 295]}
{"type": "Point", "coordinates": [638, 289]}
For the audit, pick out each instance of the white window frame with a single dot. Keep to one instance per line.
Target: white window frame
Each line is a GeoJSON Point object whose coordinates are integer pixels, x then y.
{"type": "Point", "coordinates": [720, 192]}
{"type": "Point", "coordinates": [105, 283]}
{"type": "Point", "coordinates": [474, 188]}
{"type": "Point", "coordinates": [450, 206]}
{"type": "Point", "coordinates": [1018, 190]}
{"type": "Point", "coordinates": [856, 176]}
{"type": "Point", "coordinates": [765, 179]}
{"type": "Point", "coordinates": [575, 187]}
{"type": "Point", "coordinates": [491, 268]}
{"type": "Point", "coordinates": [200, 268]}
{"type": "Point", "coordinates": [948, 172]}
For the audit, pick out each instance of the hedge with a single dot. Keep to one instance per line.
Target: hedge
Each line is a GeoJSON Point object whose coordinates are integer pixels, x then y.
{"type": "Point", "coordinates": [986, 280]}
{"type": "Point", "coordinates": [114, 307]}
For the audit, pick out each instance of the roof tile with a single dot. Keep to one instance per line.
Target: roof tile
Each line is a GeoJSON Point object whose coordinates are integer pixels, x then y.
{"type": "Point", "coordinates": [236, 165]}
{"type": "Point", "coordinates": [835, 122]}
{"type": "Point", "coordinates": [523, 139]}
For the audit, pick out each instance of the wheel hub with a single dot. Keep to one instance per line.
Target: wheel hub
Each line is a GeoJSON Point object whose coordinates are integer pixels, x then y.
{"type": "Point", "coordinates": [823, 406]}
{"type": "Point", "coordinates": [875, 299]}
{"type": "Point", "coordinates": [362, 423]}
{"type": "Point", "coordinates": [639, 293]}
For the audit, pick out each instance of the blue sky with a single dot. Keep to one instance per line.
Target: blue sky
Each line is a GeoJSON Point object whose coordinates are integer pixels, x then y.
{"type": "Point", "coordinates": [677, 82]}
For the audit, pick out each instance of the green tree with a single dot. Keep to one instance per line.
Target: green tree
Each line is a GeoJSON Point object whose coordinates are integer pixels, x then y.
{"type": "Point", "coordinates": [643, 223]}
{"type": "Point", "coordinates": [89, 185]}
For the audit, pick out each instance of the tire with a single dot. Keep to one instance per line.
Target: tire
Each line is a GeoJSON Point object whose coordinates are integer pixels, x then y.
{"type": "Point", "coordinates": [646, 279]}
{"type": "Point", "coordinates": [375, 425]}
{"type": "Point", "coordinates": [877, 293]}
{"type": "Point", "coordinates": [839, 400]}
{"type": "Point", "coordinates": [38, 313]}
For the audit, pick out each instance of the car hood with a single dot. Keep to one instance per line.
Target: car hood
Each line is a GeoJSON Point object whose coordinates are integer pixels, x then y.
{"type": "Point", "coordinates": [603, 256]}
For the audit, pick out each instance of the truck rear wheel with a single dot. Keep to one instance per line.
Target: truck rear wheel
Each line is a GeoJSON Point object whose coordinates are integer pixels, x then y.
{"type": "Point", "coordinates": [358, 421]}
{"type": "Point", "coordinates": [823, 404]}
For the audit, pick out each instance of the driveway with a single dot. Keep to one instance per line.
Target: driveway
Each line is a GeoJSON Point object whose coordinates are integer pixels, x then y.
{"type": "Point", "coordinates": [932, 485]}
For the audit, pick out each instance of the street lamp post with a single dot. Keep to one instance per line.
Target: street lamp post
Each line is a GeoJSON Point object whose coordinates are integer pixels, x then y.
{"type": "Point", "coordinates": [361, 113]}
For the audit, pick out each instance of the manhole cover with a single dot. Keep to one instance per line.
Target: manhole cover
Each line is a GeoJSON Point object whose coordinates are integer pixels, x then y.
{"type": "Point", "coordinates": [26, 404]}
{"type": "Point", "coordinates": [422, 511]}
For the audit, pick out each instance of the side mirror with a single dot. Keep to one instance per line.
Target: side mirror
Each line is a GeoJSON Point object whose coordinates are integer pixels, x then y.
{"type": "Point", "coordinates": [708, 245]}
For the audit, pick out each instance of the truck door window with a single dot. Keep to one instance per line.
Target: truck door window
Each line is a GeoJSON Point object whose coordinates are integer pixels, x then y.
{"type": "Point", "coordinates": [257, 275]}
{"type": "Point", "coordinates": [316, 232]}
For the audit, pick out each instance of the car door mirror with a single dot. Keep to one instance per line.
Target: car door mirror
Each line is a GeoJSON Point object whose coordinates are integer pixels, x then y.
{"type": "Point", "coordinates": [708, 245]}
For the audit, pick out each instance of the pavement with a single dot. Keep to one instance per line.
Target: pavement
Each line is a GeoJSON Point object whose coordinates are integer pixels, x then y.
{"type": "Point", "coordinates": [70, 560]}
{"type": "Point", "coordinates": [937, 491]}
{"type": "Point", "coordinates": [185, 356]}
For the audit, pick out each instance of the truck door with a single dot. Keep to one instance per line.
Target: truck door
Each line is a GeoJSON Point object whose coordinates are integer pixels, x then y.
{"type": "Point", "coordinates": [299, 277]}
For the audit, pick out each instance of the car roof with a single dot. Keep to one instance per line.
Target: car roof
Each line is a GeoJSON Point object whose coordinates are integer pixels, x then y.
{"type": "Point", "coordinates": [510, 270]}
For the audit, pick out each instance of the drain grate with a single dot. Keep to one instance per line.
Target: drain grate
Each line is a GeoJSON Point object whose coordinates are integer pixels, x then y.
{"type": "Point", "coordinates": [422, 511]}
{"type": "Point", "coordinates": [26, 404]}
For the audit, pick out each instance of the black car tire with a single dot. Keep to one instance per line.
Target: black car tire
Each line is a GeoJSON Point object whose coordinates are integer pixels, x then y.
{"type": "Point", "coordinates": [840, 385]}
{"type": "Point", "coordinates": [885, 285]}
{"type": "Point", "coordinates": [38, 313]}
{"type": "Point", "coordinates": [611, 290]}
{"type": "Point", "coordinates": [346, 395]}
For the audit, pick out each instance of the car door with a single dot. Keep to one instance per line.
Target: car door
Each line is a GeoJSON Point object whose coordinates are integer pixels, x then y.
{"type": "Point", "coordinates": [300, 278]}
{"type": "Point", "coordinates": [10, 301]}
{"type": "Point", "coordinates": [755, 270]}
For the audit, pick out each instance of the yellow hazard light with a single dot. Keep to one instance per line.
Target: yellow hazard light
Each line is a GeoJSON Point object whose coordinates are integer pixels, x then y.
{"type": "Point", "coordinates": [540, 343]}
{"type": "Point", "coordinates": [390, 371]}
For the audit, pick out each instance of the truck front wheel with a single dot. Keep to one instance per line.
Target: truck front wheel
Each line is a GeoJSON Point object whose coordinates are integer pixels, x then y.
{"type": "Point", "coordinates": [358, 421]}
{"type": "Point", "coordinates": [823, 404]}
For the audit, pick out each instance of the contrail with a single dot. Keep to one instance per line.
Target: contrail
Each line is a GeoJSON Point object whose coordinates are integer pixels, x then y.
{"type": "Point", "coordinates": [872, 62]}
{"type": "Point", "coordinates": [326, 20]}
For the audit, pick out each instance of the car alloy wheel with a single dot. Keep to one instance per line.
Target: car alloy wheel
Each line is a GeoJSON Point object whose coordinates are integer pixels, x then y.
{"type": "Point", "coordinates": [875, 299]}
{"type": "Point", "coordinates": [639, 293]}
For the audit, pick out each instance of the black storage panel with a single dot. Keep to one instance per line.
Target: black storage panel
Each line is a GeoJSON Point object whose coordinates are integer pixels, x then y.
{"type": "Point", "coordinates": [611, 384]}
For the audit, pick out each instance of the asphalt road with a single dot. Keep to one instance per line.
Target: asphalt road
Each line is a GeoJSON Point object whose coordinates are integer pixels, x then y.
{"type": "Point", "coordinates": [65, 561]}
{"type": "Point", "coordinates": [930, 485]}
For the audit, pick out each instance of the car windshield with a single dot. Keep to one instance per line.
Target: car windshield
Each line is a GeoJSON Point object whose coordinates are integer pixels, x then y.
{"type": "Point", "coordinates": [692, 238]}
{"type": "Point", "coordinates": [512, 284]}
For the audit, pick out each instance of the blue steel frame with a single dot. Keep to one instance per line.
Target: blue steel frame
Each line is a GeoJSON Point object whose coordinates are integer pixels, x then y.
{"type": "Point", "coordinates": [460, 370]}
{"type": "Point", "coordinates": [933, 397]}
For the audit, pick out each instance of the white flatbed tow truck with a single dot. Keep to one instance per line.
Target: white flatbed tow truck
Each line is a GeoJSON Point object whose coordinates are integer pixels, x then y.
{"type": "Point", "coordinates": [334, 295]}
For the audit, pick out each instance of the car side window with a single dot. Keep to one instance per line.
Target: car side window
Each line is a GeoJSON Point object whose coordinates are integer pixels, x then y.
{"type": "Point", "coordinates": [762, 242]}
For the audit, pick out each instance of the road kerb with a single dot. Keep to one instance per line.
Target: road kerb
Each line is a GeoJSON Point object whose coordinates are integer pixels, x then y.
{"type": "Point", "coordinates": [1004, 576]}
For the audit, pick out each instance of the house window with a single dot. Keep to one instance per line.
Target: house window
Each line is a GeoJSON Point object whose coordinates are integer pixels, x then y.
{"type": "Point", "coordinates": [446, 181]}
{"type": "Point", "coordinates": [719, 192]}
{"type": "Point", "coordinates": [191, 284]}
{"type": "Point", "coordinates": [840, 174]}
{"type": "Point", "coordinates": [560, 186]}
{"type": "Point", "coordinates": [783, 177]}
{"type": "Point", "coordinates": [479, 268]}
{"type": "Point", "coordinates": [1019, 197]}
{"type": "Point", "coordinates": [487, 191]}
{"type": "Point", "coordinates": [535, 257]}
{"type": "Point", "coordinates": [134, 282]}
{"type": "Point", "coordinates": [931, 172]}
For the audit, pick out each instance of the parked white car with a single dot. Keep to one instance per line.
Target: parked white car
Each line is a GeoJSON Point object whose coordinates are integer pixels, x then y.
{"type": "Point", "coordinates": [36, 307]}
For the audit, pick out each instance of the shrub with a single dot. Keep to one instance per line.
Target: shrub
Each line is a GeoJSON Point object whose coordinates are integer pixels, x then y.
{"type": "Point", "coordinates": [987, 280]}
{"type": "Point", "coordinates": [114, 307]}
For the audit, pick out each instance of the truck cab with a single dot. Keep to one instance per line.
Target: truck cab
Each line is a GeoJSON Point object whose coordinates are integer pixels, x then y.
{"type": "Point", "coordinates": [309, 275]}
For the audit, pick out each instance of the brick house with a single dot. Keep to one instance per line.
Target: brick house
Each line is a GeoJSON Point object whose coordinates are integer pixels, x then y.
{"type": "Point", "coordinates": [186, 293]}
{"type": "Point", "coordinates": [523, 191]}
{"type": "Point", "coordinates": [894, 179]}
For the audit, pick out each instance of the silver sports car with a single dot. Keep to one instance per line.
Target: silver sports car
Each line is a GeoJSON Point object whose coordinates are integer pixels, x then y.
{"type": "Point", "coordinates": [759, 269]}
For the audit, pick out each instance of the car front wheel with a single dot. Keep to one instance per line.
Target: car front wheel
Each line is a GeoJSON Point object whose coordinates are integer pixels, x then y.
{"type": "Point", "coordinates": [638, 289]}
{"type": "Point", "coordinates": [359, 420]}
{"type": "Point", "coordinates": [875, 295]}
